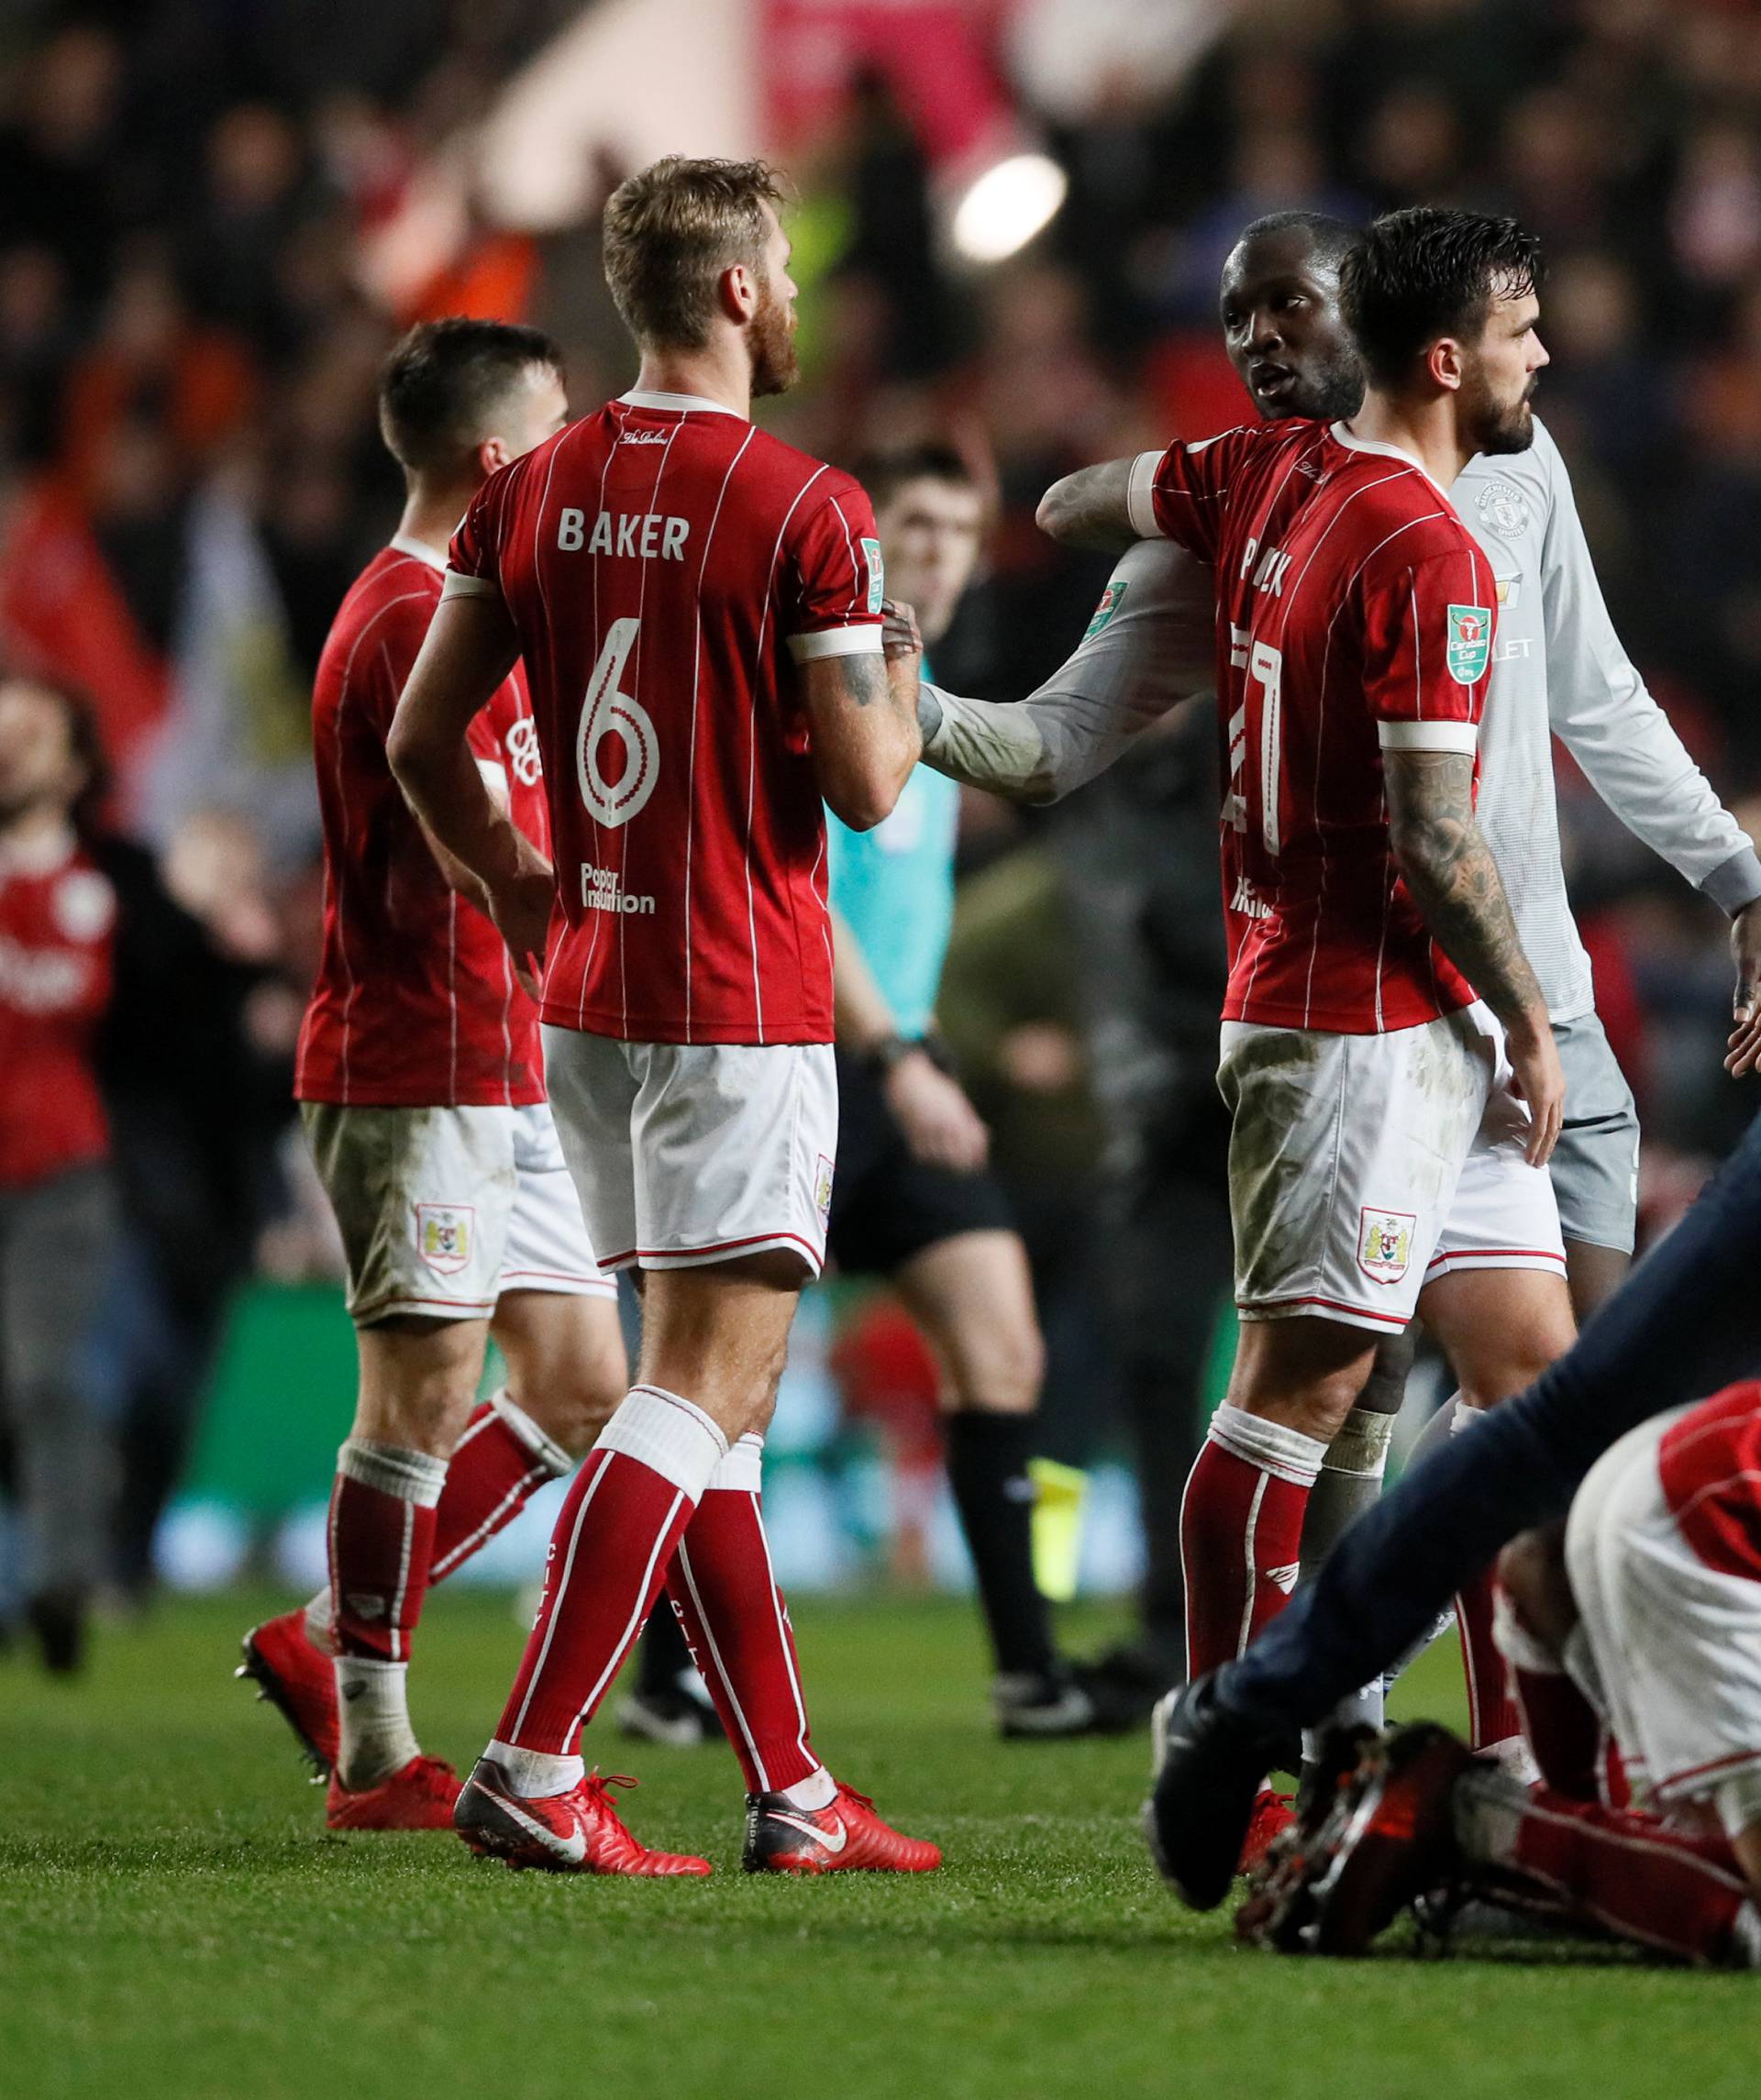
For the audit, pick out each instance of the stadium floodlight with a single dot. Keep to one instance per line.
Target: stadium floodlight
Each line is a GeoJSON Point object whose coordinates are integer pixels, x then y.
{"type": "Point", "coordinates": [1007, 205]}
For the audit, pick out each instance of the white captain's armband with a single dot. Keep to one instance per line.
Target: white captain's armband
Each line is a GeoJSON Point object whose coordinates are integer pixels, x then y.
{"type": "Point", "coordinates": [834, 642]}
{"type": "Point", "coordinates": [457, 584]}
{"type": "Point", "coordinates": [1140, 496]}
{"type": "Point", "coordinates": [1459, 736]}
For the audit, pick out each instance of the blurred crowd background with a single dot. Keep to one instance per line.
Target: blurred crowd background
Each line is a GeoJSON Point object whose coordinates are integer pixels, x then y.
{"type": "Point", "coordinates": [216, 214]}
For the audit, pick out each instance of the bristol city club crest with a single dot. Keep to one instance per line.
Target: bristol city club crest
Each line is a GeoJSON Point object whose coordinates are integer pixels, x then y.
{"type": "Point", "coordinates": [822, 1191]}
{"type": "Point", "coordinates": [1471, 643]}
{"type": "Point", "coordinates": [444, 1236]}
{"type": "Point", "coordinates": [1385, 1244]}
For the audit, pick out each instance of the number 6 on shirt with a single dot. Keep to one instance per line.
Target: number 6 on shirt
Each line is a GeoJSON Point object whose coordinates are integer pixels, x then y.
{"type": "Point", "coordinates": [609, 711]}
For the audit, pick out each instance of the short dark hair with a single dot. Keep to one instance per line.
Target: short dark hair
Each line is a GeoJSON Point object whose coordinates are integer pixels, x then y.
{"type": "Point", "coordinates": [885, 472]}
{"type": "Point", "coordinates": [1422, 273]}
{"type": "Point", "coordinates": [671, 229]}
{"type": "Point", "coordinates": [439, 389]}
{"type": "Point", "coordinates": [1332, 238]}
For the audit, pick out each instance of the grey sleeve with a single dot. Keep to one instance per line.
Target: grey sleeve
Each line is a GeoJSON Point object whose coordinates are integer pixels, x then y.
{"type": "Point", "coordinates": [1151, 645]}
{"type": "Point", "coordinates": [1605, 717]}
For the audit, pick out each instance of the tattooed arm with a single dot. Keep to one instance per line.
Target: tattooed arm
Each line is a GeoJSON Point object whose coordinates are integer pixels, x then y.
{"type": "Point", "coordinates": [1449, 869]}
{"type": "Point", "coordinates": [1091, 508]}
{"type": "Point", "coordinates": [863, 711]}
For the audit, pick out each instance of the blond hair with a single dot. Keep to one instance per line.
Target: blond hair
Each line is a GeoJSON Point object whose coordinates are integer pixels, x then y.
{"type": "Point", "coordinates": [669, 233]}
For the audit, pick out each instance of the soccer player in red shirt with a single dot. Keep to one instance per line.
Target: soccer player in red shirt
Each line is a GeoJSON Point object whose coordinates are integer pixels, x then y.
{"type": "Point", "coordinates": [1385, 1055]}
{"type": "Point", "coordinates": [57, 928]}
{"type": "Point", "coordinates": [421, 1084]}
{"type": "Point", "coordinates": [700, 612]}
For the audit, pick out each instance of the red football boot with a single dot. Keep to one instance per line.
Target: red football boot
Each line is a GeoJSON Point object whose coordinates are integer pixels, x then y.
{"type": "Point", "coordinates": [844, 1837]}
{"type": "Point", "coordinates": [578, 1832]}
{"type": "Point", "coordinates": [1273, 1815]}
{"type": "Point", "coordinates": [418, 1796]}
{"type": "Point", "coordinates": [1386, 1840]}
{"type": "Point", "coordinates": [298, 1681]}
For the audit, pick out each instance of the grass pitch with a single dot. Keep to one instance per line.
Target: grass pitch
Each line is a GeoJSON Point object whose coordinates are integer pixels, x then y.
{"type": "Point", "coordinates": [175, 1921]}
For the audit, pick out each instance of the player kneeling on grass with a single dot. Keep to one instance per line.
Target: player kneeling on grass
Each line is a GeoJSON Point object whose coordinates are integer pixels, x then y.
{"type": "Point", "coordinates": [1633, 1635]}
{"type": "Point", "coordinates": [421, 1082]}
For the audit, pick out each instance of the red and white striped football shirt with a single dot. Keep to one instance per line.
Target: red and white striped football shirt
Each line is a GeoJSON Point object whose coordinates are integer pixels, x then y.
{"type": "Point", "coordinates": [415, 1003]}
{"type": "Point", "coordinates": [1355, 614]}
{"type": "Point", "coordinates": [665, 564]}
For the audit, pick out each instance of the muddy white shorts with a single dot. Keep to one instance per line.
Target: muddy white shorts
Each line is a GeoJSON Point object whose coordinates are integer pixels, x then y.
{"type": "Point", "coordinates": [443, 1209]}
{"type": "Point", "coordinates": [693, 1153]}
{"type": "Point", "coordinates": [1667, 1648]}
{"type": "Point", "coordinates": [1363, 1167]}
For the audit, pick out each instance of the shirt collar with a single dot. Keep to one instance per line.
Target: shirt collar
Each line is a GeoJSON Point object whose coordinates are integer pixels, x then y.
{"type": "Point", "coordinates": [680, 402]}
{"type": "Point", "coordinates": [417, 549]}
{"type": "Point", "coordinates": [1353, 444]}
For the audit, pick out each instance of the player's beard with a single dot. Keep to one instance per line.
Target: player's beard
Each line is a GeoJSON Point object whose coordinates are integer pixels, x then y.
{"type": "Point", "coordinates": [775, 367]}
{"type": "Point", "coordinates": [1335, 391]}
{"type": "Point", "coordinates": [1496, 427]}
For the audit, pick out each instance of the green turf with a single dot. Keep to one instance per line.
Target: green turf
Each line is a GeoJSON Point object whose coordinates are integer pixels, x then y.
{"type": "Point", "coordinates": [175, 1921]}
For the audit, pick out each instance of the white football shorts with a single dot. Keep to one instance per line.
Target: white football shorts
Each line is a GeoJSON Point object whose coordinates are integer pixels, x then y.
{"type": "Point", "coordinates": [1363, 1167]}
{"type": "Point", "coordinates": [1666, 1648]}
{"type": "Point", "coordinates": [691, 1152]}
{"type": "Point", "coordinates": [443, 1209]}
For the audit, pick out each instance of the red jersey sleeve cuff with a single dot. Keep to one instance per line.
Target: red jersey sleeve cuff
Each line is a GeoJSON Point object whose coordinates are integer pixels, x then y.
{"type": "Point", "coordinates": [457, 584]}
{"type": "Point", "coordinates": [1459, 736]}
{"type": "Point", "coordinates": [1140, 496]}
{"type": "Point", "coordinates": [834, 642]}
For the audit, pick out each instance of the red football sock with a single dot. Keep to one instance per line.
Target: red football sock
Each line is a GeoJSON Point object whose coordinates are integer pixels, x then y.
{"type": "Point", "coordinates": [1493, 1714]}
{"type": "Point", "coordinates": [500, 1460]}
{"type": "Point", "coordinates": [620, 1525]}
{"type": "Point", "coordinates": [381, 1541]}
{"type": "Point", "coordinates": [725, 1595]}
{"type": "Point", "coordinates": [1241, 1530]}
{"type": "Point", "coordinates": [1562, 1730]}
{"type": "Point", "coordinates": [1629, 1873]}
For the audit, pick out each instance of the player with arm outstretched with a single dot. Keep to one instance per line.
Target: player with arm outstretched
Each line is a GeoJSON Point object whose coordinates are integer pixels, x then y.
{"type": "Point", "coordinates": [421, 1085]}
{"type": "Point", "coordinates": [699, 610]}
{"type": "Point", "coordinates": [1559, 670]}
{"type": "Point", "coordinates": [1356, 623]}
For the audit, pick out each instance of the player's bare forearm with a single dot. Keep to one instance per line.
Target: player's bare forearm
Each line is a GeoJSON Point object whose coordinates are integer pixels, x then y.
{"type": "Point", "coordinates": [468, 650]}
{"type": "Point", "coordinates": [864, 714]}
{"type": "Point", "coordinates": [1449, 869]}
{"type": "Point", "coordinates": [458, 878]}
{"type": "Point", "coordinates": [1091, 508]}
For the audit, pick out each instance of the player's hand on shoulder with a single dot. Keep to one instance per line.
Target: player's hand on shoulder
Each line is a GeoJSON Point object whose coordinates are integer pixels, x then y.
{"type": "Point", "coordinates": [899, 631]}
{"type": "Point", "coordinates": [941, 1126]}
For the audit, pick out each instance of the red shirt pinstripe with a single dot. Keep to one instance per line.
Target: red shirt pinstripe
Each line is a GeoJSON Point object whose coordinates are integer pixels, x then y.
{"type": "Point", "coordinates": [57, 931]}
{"type": "Point", "coordinates": [665, 564]}
{"type": "Point", "coordinates": [415, 1003]}
{"type": "Point", "coordinates": [1354, 613]}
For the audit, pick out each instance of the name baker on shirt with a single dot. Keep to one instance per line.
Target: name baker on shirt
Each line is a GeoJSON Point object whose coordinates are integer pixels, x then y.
{"type": "Point", "coordinates": [602, 890]}
{"type": "Point", "coordinates": [638, 535]}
